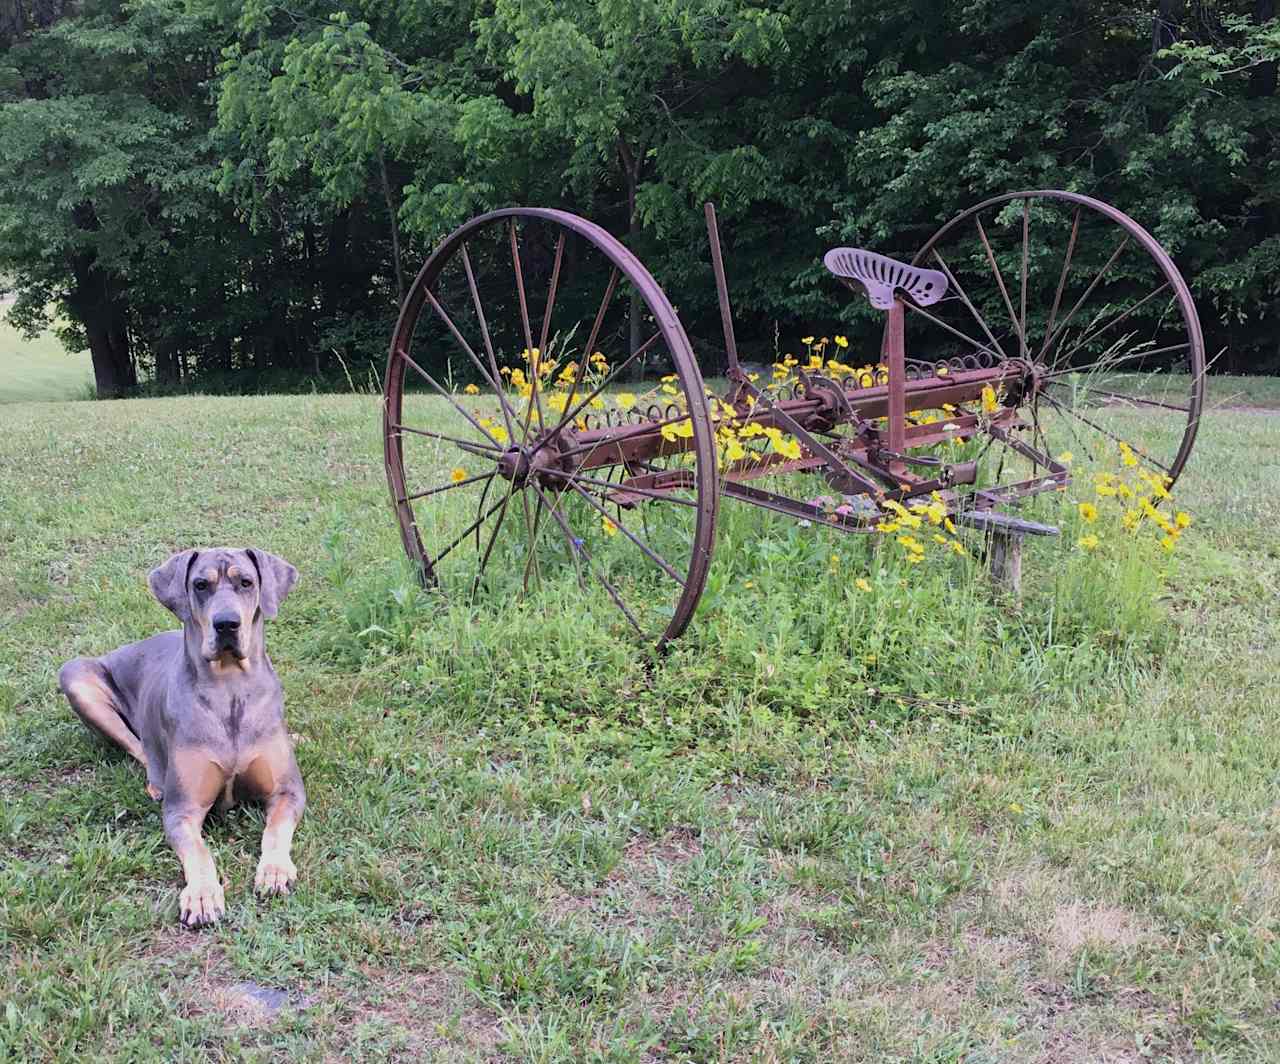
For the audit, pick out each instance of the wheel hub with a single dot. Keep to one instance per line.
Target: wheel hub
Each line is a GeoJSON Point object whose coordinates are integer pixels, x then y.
{"type": "Point", "coordinates": [518, 464]}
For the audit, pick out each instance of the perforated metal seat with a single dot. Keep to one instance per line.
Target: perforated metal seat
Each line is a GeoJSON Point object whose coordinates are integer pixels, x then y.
{"type": "Point", "coordinates": [880, 275]}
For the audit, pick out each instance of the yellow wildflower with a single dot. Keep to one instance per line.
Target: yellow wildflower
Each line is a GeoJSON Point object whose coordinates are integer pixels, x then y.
{"type": "Point", "coordinates": [625, 400]}
{"type": "Point", "coordinates": [842, 341]}
{"type": "Point", "coordinates": [1089, 542]}
{"type": "Point", "coordinates": [471, 389]}
{"type": "Point", "coordinates": [1088, 512]}
{"type": "Point", "coordinates": [1168, 543]}
{"type": "Point", "coordinates": [862, 584]}
{"type": "Point", "coordinates": [1066, 458]}
{"type": "Point", "coordinates": [458, 475]}
{"type": "Point", "coordinates": [609, 528]}
{"type": "Point", "coordinates": [806, 339]}
{"type": "Point", "coordinates": [990, 403]}
{"type": "Point", "coordinates": [1182, 519]}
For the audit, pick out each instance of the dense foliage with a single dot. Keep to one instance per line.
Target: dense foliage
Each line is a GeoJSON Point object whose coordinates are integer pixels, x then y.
{"type": "Point", "coordinates": [234, 193]}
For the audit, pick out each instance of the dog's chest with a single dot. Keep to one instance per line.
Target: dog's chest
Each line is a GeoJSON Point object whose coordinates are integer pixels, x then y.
{"type": "Point", "coordinates": [235, 723]}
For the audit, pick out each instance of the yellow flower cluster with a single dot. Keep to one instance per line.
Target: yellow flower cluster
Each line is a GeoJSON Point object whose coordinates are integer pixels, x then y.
{"type": "Point", "coordinates": [913, 518]}
{"type": "Point", "coordinates": [1136, 497]}
{"type": "Point", "coordinates": [553, 380]}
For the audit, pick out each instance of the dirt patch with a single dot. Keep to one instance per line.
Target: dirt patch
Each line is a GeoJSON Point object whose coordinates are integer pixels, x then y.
{"type": "Point", "coordinates": [433, 1009]}
{"type": "Point", "coordinates": [1077, 925]}
{"type": "Point", "coordinates": [628, 896]}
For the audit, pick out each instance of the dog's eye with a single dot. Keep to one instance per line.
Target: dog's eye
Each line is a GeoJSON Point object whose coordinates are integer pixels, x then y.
{"type": "Point", "coordinates": [246, 583]}
{"type": "Point", "coordinates": [200, 585]}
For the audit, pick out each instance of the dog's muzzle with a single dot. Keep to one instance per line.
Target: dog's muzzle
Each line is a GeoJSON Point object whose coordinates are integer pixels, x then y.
{"type": "Point", "coordinates": [226, 634]}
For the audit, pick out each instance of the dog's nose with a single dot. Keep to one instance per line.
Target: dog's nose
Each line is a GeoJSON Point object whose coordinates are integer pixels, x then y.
{"type": "Point", "coordinates": [226, 624]}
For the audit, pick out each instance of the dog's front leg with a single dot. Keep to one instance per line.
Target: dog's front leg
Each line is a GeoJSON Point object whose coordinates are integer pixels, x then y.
{"type": "Point", "coordinates": [273, 777]}
{"type": "Point", "coordinates": [276, 870]}
{"type": "Point", "coordinates": [192, 786]}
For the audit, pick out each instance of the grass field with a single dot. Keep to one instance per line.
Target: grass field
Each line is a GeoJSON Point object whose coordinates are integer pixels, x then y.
{"type": "Point", "coordinates": [922, 825]}
{"type": "Point", "coordinates": [38, 371]}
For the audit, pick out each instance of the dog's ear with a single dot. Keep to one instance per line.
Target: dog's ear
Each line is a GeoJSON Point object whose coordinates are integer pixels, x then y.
{"type": "Point", "coordinates": [277, 578]}
{"type": "Point", "coordinates": [169, 584]}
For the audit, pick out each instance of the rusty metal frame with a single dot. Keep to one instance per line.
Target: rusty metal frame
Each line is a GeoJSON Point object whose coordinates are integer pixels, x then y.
{"type": "Point", "coordinates": [874, 461]}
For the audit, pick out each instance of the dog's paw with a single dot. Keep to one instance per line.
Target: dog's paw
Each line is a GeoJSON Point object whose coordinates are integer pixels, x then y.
{"type": "Point", "coordinates": [275, 875]}
{"type": "Point", "coordinates": [201, 903]}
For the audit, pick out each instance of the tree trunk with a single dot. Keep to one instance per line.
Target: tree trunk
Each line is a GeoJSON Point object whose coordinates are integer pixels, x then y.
{"type": "Point", "coordinates": [393, 215]}
{"type": "Point", "coordinates": [1164, 25]}
{"type": "Point", "coordinates": [1262, 80]}
{"type": "Point", "coordinates": [332, 270]}
{"type": "Point", "coordinates": [168, 374]}
{"type": "Point", "coordinates": [97, 302]}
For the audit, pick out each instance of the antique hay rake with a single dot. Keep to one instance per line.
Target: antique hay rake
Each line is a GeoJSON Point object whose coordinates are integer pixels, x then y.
{"type": "Point", "coordinates": [1049, 332]}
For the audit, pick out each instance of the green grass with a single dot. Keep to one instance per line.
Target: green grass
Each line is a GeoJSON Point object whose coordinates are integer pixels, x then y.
{"type": "Point", "coordinates": [921, 824]}
{"type": "Point", "coordinates": [40, 370]}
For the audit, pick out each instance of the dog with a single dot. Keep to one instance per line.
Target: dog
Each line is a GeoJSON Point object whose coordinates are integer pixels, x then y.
{"type": "Point", "coordinates": [202, 710]}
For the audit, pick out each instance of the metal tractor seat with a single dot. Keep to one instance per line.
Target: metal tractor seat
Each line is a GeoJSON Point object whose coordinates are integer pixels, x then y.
{"type": "Point", "coordinates": [880, 275]}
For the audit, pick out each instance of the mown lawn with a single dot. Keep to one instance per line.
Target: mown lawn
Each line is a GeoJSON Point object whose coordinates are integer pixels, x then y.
{"type": "Point", "coordinates": [40, 370]}
{"type": "Point", "coordinates": [918, 825]}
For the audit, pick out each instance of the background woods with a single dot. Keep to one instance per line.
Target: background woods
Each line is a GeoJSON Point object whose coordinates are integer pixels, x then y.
{"type": "Point", "coordinates": [234, 193]}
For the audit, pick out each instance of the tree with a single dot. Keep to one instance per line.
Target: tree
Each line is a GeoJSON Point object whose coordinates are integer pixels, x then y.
{"type": "Point", "coordinates": [104, 166]}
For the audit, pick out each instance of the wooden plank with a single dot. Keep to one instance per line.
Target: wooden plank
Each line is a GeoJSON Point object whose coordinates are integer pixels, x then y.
{"type": "Point", "coordinates": [997, 523]}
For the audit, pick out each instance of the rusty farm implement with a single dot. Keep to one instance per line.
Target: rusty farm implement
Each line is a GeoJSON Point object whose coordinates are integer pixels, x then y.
{"type": "Point", "coordinates": [544, 409]}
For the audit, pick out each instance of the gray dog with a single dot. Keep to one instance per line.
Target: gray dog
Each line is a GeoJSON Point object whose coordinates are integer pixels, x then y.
{"type": "Point", "coordinates": [203, 711]}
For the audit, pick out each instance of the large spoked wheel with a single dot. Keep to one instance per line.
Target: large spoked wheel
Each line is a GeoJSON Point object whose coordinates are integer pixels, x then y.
{"type": "Point", "coordinates": [1092, 309]}
{"type": "Point", "coordinates": [515, 379]}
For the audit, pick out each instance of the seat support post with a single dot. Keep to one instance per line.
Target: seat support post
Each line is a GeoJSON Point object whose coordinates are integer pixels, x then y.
{"type": "Point", "coordinates": [893, 355]}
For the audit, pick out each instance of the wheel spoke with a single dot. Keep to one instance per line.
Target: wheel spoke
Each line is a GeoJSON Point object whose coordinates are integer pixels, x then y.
{"type": "Point", "coordinates": [493, 537]}
{"type": "Point", "coordinates": [1136, 400]}
{"type": "Point", "coordinates": [507, 412]}
{"type": "Point", "coordinates": [576, 543]}
{"type": "Point", "coordinates": [599, 388]}
{"type": "Point", "coordinates": [534, 399]}
{"type": "Point", "coordinates": [494, 383]}
{"type": "Point", "coordinates": [447, 487]}
{"type": "Point", "coordinates": [1066, 359]}
{"type": "Point", "coordinates": [964, 298]}
{"type": "Point", "coordinates": [955, 332]}
{"type": "Point", "coordinates": [652, 555]}
{"type": "Point", "coordinates": [1106, 432]}
{"type": "Point", "coordinates": [1004, 292]}
{"type": "Point", "coordinates": [1109, 363]}
{"type": "Point", "coordinates": [1062, 282]}
{"type": "Point", "coordinates": [480, 450]}
{"type": "Point", "coordinates": [551, 296]}
{"type": "Point", "coordinates": [467, 531]}
{"type": "Point", "coordinates": [648, 493]}
{"type": "Point", "coordinates": [1026, 235]}
{"type": "Point", "coordinates": [449, 398]}
{"type": "Point", "coordinates": [586, 351]}
{"type": "Point", "coordinates": [1124, 242]}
